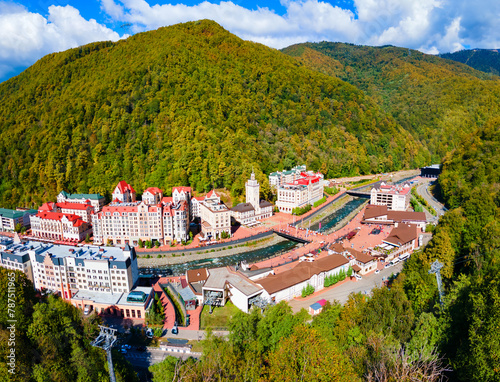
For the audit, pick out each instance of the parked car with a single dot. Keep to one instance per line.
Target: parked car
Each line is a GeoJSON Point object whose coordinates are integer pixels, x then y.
{"type": "Point", "coordinates": [358, 277]}
{"type": "Point", "coordinates": [125, 346]}
{"type": "Point", "coordinates": [388, 265]}
{"type": "Point", "coordinates": [377, 271]}
{"type": "Point", "coordinates": [123, 351]}
{"type": "Point", "coordinates": [87, 310]}
{"type": "Point", "coordinates": [175, 330]}
{"type": "Point", "coordinates": [149, 333]}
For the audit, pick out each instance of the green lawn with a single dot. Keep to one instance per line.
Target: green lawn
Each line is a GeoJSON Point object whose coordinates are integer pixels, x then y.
{"type": "Point", "coordinates": [219, 318]}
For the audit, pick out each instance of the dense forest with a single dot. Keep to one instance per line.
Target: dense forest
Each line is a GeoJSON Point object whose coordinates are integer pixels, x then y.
{"type": "Point", "coordinates": [436, 100]}
{"type": "Point", "coordinates": [485, 60]}
{"type": "Point", "coordinates": [400, 333]}
{"type": "Point", "coordinates": [189, 104]}
{"type": "Point", "coordinates": [50, 337]}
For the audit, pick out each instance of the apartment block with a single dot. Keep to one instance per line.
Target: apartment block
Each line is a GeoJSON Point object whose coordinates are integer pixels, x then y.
{"type": "Point", "coordinates": [395, 197]}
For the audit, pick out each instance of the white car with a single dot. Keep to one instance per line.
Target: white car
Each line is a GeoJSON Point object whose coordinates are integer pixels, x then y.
{"type": "Point", "coordinates": [377, 271]}
{"type": "Point", "coordinates": [358, 277]}
{"type": "Point", "coordinates": [149, 333]}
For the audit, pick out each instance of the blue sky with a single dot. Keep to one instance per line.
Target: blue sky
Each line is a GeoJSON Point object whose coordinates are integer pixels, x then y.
{"type": "Point", "coordinates": [31, 29]}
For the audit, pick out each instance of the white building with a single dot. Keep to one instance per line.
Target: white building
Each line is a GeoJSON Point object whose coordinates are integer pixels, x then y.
{"type": "Point", "coordinates": [58, 226]}
{"type": "Point", "coordinates": [396, 198]}
{"type": "Point", "coordinates": [289, 284]}
{"type": "Point", "coordinates": [176, 221]}
{"type": "Point", "coordinates": [215, 218]}
{"type": "Point", "coordinates": [152, 195]}
{"type": "Point", "coordinates": [10, 218]}
{"type": "Point", "coordinates": [96, 200]}
{"type": "Point", "coordinates": [254, 209]}
{"type": "Point", "coordinates": [124, 192]}
{"type": "Point", "coordinates": [67, 269]}
{"type": "Point", "coordinates": [195, 205]}
{"type": "Point", "coordinates": [301, 192]}
{"type": "Point", "coordinates": [223, 283]}
{"type": "Point", "coordinates": [280, 178]}
{"type": "Point", "coordinates": [126, 223]}
{"type": "Point", "coordinates": [14, 256]}
{"type": "Point", "coordinates": [183, 193]}
{"type": "Point", "coordinates": [85, 211]}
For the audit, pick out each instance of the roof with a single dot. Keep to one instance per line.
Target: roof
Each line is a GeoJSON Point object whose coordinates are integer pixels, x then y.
{"type": "Point", "coordinates": [195, 275]}
{"type": "Point", "coordinates": [124, 186]}
{"type": "Point", "coordinates": [198, 198]}
{"type": "Point", "coordinates": [373, 211]}
{"type": "Point", "coordinates": [402, 234]}
{"type": "Point", "coordinates": [265, 203]}
{"type": "Point", "coordinates": [219, 277]}
{"type": "Point", "coordinates": [302, 272]}
{"type": "Point", "coordinates": [11, 214]}
{"type": "Point", "coordinates": [315, 306]}
{"type": "Point", "coordinates": [363, 257]}
{"type": "Point", "coordinates": [77, 220]}
{"type": "Point", "coordinates": [356, 268]}
{"type": "Point", "coordinates": [182, 189]}
{"type": "Point", "coordinates": [49, 206]}
{"type": "Point", "coordinates": [212, 194]}
{"type": "Point", "coordinates": [74, 206]}
{"type": "Point", "coordinates": [243, 207]}
{"type": "Point", "coordinates": [153, 190]}
{"type": "Point", "coordinates": [82, 196]}
{"type": "Point", "coordinates": [167, 199]}
{"type": "Point", "coordinates": [337, 247]}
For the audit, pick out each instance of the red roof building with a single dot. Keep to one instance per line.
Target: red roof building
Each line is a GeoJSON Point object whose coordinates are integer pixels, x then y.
{"type": "Point", "coordinates": [124, 192]}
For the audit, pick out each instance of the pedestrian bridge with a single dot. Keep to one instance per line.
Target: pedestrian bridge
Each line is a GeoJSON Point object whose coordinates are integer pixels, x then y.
{"type": "Point", "coordinates": [359, 194]}
{"type": "Point", "coordinates": [291, 237]}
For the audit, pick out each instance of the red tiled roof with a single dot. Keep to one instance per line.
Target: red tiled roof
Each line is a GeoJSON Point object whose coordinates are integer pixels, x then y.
{"type": "Point", "coordinates": [183, 188]}
{"type": "Point", "coordinates": [73, 206]}
{"type": "Point", "coordinates": [195, 275]}
{"type": "Point", "coordinates": [49, 206]}
{"type": "Point", "coordinates": [153, 190]}
{"type": "Point", "coordinates": [199, 198]}
{"type": "Point", "coordinates": [124, 186]}
{"type": "Point", "coordinates": [211, 194]}
{"type": "Point", "coordinates": [77, 220]}
{"type": "Point", "coordinates": [167, 199]}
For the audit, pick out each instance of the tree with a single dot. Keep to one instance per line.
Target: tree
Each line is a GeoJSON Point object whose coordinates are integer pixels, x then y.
{"type": "Point", "coordinates": [305, 355]}
{"type": "Point", "coordinates": [140, 243]}
{"type": "Point", "coordinates": [87, 238]}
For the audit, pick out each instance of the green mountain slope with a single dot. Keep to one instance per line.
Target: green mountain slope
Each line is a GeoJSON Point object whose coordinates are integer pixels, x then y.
{"type": "Point", "coordinates": [189, 104]}
{"type": "Point", "coordinates": [485, 60]}
{"type": "Point", "coordinates": [438, 101]}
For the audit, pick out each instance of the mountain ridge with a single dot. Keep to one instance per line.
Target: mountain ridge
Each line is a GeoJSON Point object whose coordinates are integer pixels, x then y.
{"type": "Point", "coordinates": [189, 104]}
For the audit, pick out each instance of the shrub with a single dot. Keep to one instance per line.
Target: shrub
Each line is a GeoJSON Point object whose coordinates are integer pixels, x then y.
{"type": "Point", "coordinates": [307, 290]}
{"type": "Point", "coordinates": [301, 210]}
{"type": "Point", "coordinates": [320, 202]}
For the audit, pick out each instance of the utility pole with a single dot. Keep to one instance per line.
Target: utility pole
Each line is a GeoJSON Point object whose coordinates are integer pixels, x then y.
{"type": "Point", "coordinates": [436, 269]}
{"type": "Point", "coordinates": [106, 340]}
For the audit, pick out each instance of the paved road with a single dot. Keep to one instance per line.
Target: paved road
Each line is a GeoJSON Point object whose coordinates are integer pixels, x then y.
{"type": "Point", "coordinates": [152, 356]}
{"type": "Point", "coordinates": [423, 190]}
{"type": "Point", "coordinates": [342, 292]}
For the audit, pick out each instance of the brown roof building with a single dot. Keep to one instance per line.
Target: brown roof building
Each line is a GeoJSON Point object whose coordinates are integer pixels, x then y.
{"type": "Point", "coordinates": [383, 215]}
{"type": "Point", "coordinates": [288, 284]}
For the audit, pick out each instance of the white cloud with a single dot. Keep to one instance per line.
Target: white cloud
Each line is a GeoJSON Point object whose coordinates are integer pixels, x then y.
{"type": "Point", "coordinates": [25, 37]}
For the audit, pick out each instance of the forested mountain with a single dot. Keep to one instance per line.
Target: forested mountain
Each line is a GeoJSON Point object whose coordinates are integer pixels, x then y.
{"type": "Point", "coordinates": [401, 333]}
{"type": "Point", "coordinates": [189, 104]}
{"type": "Point", "coordinates": [485, 60]}
{"type": "Point", "coordinates": [438, 101]}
